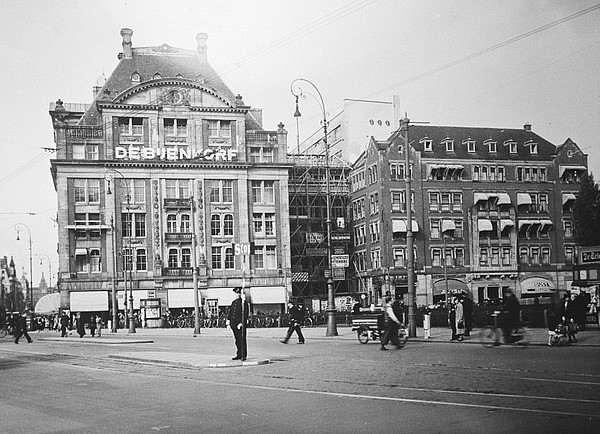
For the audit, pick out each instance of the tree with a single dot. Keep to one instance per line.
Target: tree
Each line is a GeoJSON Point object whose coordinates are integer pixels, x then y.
{"type": "Point", "coordinates": [586, 213]}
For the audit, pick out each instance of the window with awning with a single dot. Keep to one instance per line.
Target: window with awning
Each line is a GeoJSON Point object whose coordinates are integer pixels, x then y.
{"type": "Point", "coordinates": [484, 225]}
{"type": "Point", "coordinates": [546, 226]}
{"type": "Point", "coordinates": [504, 223]}
{"type": "Point", "coordinates": [523, 199]}
{"type": "Point", "coordinates": [503, 199]}
{"type": "Point", "coordinates": [566, 197]}
{"type": "Point", "coordinates": [81, 252]}
{"type": "Point", "coordinates": [524, 224]}
{"type": "Point", "coordinates": [400, 226]}
{"type": "Point", "coordinates": [448, 225]}
{"type": "Point", "coordinates": [479, 197]}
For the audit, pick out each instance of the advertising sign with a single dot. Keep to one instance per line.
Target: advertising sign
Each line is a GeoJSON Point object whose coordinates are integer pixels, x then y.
{"type": "Point", "coordinates": [314, 237]}
{"type": "Point", "coordinates": [339, 274]}
{"type": "Point", "coordinates": [316, 251]}
{"type": "Point", "coordinates": [340, 236]}
{"type": "Point", "coordinates": [340, 261]}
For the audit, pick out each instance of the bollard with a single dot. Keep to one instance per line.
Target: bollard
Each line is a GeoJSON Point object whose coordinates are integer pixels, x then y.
{"type": "Point", "coordinates": [427, 325]}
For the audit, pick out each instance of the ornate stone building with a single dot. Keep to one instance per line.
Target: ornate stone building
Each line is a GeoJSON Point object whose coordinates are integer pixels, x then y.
{"type": "Point", "coordinates": [166, 158]}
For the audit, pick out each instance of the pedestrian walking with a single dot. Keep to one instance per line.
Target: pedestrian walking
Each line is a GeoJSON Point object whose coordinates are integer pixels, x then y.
{"type": "Point", "coordinates": [79, 325]}
{"type": "Point", "coordinates": [93, 325]}
{"type": "Point", "coordinates": [391, 326]}
{"type": "Point", "coordinates": [468, 314]}
{"type": "Point", "coordinates": [298, 314]}
{"type": "Point", "coordinates": [99, 325]}
{"type": "Point", "coordinates": [21, 329]}
{"type": "Point", "coordinates": [64, 324]}
{"type": "Point", "coordinates": [237, 320]}
{"type": "Point", "coordinates": [452, 317]}
{"type": "Point", "coordinates": [459, 317]}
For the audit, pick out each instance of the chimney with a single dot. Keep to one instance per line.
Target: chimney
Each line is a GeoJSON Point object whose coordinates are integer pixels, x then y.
{"type": "Point", "coordinates": [201, 40]}
{"type": "Point", "coordinates": [126, 34]}
{"type": "Point", "coordinates": [527, 127]}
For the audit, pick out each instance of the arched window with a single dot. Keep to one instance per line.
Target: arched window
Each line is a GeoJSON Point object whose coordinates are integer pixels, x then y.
{"type": "Point", "coordinates": [95, 262]}
{"type": "Point", "coordinates": [171, 223]}
{"type": "Point", "coordinates": [185, 223]}
{"type": "Point", "coordinates": [173, 258]}
{"type": "Point", "coordinates": [215, 225]}
{"type": "Point", "coordinates": [186, 258]}
{"type": "Point", "coordinates": [228, 225]}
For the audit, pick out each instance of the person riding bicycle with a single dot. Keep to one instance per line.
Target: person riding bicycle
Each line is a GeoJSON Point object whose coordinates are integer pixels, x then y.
{"type": "Point", "coordinates": [510, 315]}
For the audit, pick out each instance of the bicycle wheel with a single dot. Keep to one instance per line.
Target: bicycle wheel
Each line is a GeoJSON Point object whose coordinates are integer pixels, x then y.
{"type": "Point", "coordinates": [3, 332]}
{"type": "Point", "coordinates": [363, 335]}
{"type": "Point", "coordinates": [489, 336]}
{"type": "Point", "coordinates": [308, 322]}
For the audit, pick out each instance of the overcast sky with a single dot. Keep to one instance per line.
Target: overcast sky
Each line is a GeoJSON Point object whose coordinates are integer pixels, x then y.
{"type": "Point", "coordinates": [453, 62]}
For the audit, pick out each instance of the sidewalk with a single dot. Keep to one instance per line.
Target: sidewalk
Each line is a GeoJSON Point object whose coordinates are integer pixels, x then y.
{"type": "Point", "coordinates": [143, 354]}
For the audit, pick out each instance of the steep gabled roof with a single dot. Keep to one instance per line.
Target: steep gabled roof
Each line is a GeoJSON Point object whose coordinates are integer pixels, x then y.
{"type": "Point", "coordinates": [419, 134]}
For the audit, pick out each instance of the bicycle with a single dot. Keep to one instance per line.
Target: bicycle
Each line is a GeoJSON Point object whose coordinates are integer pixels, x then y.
{"type": "Point", "coordinates": [3, 331]}
{"type": "Point", "coordinates": [493, 336]}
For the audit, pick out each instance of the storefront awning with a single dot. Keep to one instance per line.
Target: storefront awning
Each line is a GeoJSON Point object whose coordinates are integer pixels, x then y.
{"type": "Point", "coordinates": [448, 225]}
{"type": "Point", "coordinates": [523, 199]}
{"type": "Point", "coordinates": [138, 295]}
{"type": "Point", "coordinates": [484, 225]}
{"type": "Point", "coordinates": [49, 304]}
{"type": "Point", "coordinates": [454, 287]}
{"type": "Point", "coordinates": [537, 285]}
{"type": "Point", "coordinates": [567, 197]}
{"type": "Point", "coordinates": [89, 301]}
{"type": "Point", "coordinates": [506, 222]}
{"type": "Point", "coordinates": [268, 295]}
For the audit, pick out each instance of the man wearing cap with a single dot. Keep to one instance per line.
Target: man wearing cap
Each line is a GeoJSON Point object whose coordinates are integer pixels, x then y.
{"type": "Point", "coordinates": [237, 320]}
{"type": "Point", "coordinates": [21, 329]}
{"type": "Point", "coordinates": [297, 315]}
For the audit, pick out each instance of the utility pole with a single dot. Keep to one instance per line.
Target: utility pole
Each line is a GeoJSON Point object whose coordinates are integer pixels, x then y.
{"type": "Point", "coordinates": [410, 257]}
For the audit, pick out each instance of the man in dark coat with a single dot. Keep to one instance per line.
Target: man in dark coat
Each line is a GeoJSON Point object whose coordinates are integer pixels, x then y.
{"type": "Point", "coordinates": [21, 329]}
{"type": "Point", "coordinates": [79, 325]}
{"type": "Point", "coordinates": [237, 320]}
{"type": "Point", "coordinates": [297, 316]}
{"type": "Point", "coordinates": [64, 324]}
{"type": "Point", "coordinates": [468, 314]}
{"type": "Point", "coordinates": [511, 310]}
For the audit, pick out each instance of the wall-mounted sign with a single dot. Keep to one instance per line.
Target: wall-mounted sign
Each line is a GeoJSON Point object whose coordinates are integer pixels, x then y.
{"type": "Point", "coordinates": [314, 237]}
{"type": "Point", "coordinates": [340, 261]}
{"type": "Point", "coordinates": [175, 153]}
{"type": "Point", "coordinates": [590, 256]}
{"type": "Point", "coordinates": [340, 236]}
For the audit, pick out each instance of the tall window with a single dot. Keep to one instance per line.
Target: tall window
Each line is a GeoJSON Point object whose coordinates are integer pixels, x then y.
{"type": "Point", "coordinates": [263, 192]}
{"type": "Point", "coordinates": [95, 262]}
{"type": "Point", "coordinates": [86, 190]}
{"type": "Point", "coordinates": [178, 188]}
{"type": "Point", "coordinates": [186, 258]}
{"type": "Point", "coordinates": [176, 127]}
{"type": "Point", "coordinates": [221, 191]}
{"type": "Point", "coordinates": [141, 263]}
{"type": "Point", "coordinates": [131, 126]}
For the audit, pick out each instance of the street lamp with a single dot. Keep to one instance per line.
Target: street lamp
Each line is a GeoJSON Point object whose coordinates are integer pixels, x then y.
{"type": "Point", "coordinates": [49, 266]}
{"type": "Point", "coordinates": [29, 302]}
{"type": "Point", "coordinates": [331, 324]}
{"type": "Point", "coordinates": [128, 259]}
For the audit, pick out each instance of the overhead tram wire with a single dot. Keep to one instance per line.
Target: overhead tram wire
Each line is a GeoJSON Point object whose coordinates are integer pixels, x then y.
{"type": "Point", "coordinates": [25, 167]}
{"type": "Point", "coordinates": [486, 50]}
{"type": "Point", "coordinates": [301, 32]}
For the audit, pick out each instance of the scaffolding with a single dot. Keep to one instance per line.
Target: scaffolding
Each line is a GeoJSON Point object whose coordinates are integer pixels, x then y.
{"type": "Point", "coordinates": [308, 221]}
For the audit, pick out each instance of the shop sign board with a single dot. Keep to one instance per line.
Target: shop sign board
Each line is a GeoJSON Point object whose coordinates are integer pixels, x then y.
{"type": "Point", "coordinates": [339, 274]}
{"type": "Point", "coordinates": [590, 256]}
{"type": "Point", "coordinates": [340, 261]}
{"type": "Point", "coordinates": [314, 237]}
{"type": "Point", "coordinates": [340, 236]}
{"type": "Point", "coordinates": [316, 251]}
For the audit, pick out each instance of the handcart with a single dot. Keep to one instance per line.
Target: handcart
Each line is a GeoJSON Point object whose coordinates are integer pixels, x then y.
{"type": "Point", "coordinates": [372, 325]}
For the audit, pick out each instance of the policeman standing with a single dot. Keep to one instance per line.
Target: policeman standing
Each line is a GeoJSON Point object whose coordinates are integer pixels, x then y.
{"type": "Point", "coordinates": [237, 320]}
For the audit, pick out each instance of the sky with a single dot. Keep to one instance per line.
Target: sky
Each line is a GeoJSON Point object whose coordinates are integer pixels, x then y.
{"type": "Point", "coordinates": [476, 63]}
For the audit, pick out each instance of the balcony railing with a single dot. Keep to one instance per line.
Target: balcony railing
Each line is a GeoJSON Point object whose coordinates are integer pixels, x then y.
{"type": "Point", "coordinates": [176, 272]}
{"type": "Point", "coordinates": [178, 236]}
{"type": "Point", "coordinates": [261, 137]}
{"type": "Point", "coordinates": [85, 132]}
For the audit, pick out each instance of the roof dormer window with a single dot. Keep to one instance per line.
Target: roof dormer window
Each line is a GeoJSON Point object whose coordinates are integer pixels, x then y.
{"type": "Point", "coordinates": [492, 146]}
{"type": "Point", "coordinates": [470, 145]}
{"type": "Point", "coordinates": [449, 144]}
{"type": "Point", "coordinates": [135, 77]}
{"type": "Point", "coordinates": [427, 144]}
{"type": "Point", "coordinates": [512, 146]}
{"type": "Point", "coordinates": [157, 76]}
{"type": "Point", "coordinates": [533, 147]}
{"type": "Point", "coordinates": [179, 76]}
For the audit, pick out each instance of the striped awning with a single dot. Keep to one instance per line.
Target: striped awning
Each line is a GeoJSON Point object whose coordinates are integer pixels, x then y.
{"type": "Point", "coordinates": [301, 276]}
